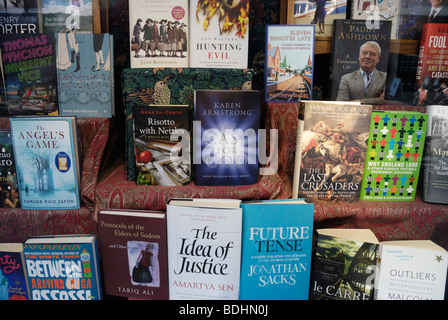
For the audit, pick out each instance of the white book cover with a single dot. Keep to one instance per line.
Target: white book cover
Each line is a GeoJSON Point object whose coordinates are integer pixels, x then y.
{"type": "Point", "coordinates": [411, 271]}
{"type": "Point", "coordinates": [158, 33]}
{"type": "Point", "coordinates": [383, 10]}
{"type": "Point", "coordinates": [204, 252]}
{"type": "Point", "coordinates": [219, 34]}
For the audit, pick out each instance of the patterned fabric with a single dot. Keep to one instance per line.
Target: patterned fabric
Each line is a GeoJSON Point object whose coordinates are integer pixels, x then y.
{"type": "Point", "coordinates": [389, 221]}
{"type": "Point", "coordinates": [18, 224]}
{"type": "Point", "coordinates": [172, 86]}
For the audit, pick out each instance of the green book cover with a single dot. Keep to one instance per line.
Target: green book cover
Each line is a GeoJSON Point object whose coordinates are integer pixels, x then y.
{"type": "Point", "coordinates": [394, 155]}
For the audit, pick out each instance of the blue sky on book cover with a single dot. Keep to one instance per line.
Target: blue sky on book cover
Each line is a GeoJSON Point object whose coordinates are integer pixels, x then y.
{"type": "Point", "coordinates": [276, 263]}
{"type": "Point", "coordinates": [46, 162]}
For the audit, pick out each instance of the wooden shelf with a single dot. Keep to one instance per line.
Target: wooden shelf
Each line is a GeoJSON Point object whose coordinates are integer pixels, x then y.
{"type": "Point", "coordinates": [410, 47]}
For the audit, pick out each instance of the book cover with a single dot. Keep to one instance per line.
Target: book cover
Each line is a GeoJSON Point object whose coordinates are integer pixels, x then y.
{"type": "Point", "coordinates": [219, 34]}
{"type": "Point", "coordinates": [360, 55]}
{"type": "Point", "coordinates": [225, 137]}
{"type": "Point", "coordinates": [67, 16]}
{"type": "Point", "coordinates": [63, 267]}
{"type": "Point", "coordinates": [2, 87]}
{"type": "Point", "coordinates": [435, 165]}
{"type": "Point", "coordinates": [159, 33]}
{"type": "Point", "coordinates": [134, 253]}
{"type": "Point", "coordinates": [9, 192]}
{"type": "Point", "coordinates": [394, 155]}
{"type": "Point", "coordinates": [204, 249]}
{"type": "Point", "coordinates": [172, 86]}
{"type": "Point", "coordinates": [411, 270]}
{"type": "Point", "coordinates": [344, 264]}
{"type": "Point", "coordinates": [162, 144]}
{"type": "Point", "coordinates": [289, 63]}
{"type": "Point", "coordinates": [85, 74]}
{"type": "Point", "coordinates": [330, 154]}
{"type": "Point", "coordinates": [415, 13]}
{"type": "Point", "coordinates": [17, 17]}
{"type": "Point", "coordinates": [47, 161]}
{"type": "Point", "coordinates": [29, 66]}
{"type": "Point", "coordinates": [432, 70]}
{"type": "Point", "coordinates": [373, 11]}
{"type": "Point", "coordinates": [13, 278]}
{"type": "Point", "coordinates": [276, 253]}
{"type": "Point", "coordinates": [320, 13]}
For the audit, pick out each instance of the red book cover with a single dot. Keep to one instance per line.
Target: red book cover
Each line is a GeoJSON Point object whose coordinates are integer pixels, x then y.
{"type": "Point", "coordinates": [432, 67]}
{"type": "Point", "coordinates": [134, 253]}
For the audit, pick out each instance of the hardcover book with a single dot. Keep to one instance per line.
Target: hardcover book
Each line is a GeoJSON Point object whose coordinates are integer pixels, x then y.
{"type": "Point", "coordinates": [162, 144]}
{"type": "Point", "coordinates": [29, 66]}
{"type": "Point", "coordinates": [134, 253]}
{"type": "Point", "coordinates": [13, 279]}
{"type": "Point", "coordinates": [18, 17]}
{"type": "Point", "coordinates": [331, 150]}
{"type": "Point", "coordinates": [9, 192]}
{"type": "Point", "coordinates": [172, 86]}
{"type": "Point", "coordinates": [432, 75]}
{"type": "Point", "coordinates": [360, 55]}
{"type": "Point", "coordinates": [63, 267]}
{"type": "Point", "coordinates": [85, 74]}
{"type": "Point", "coordinates": [204, 249]}
{"type": "Point", "coordinates": [344, 264]}
{"type": "Point", "coordinates": [289, 63]}
{"type": "Point", "coordinates": [219, 34]}
{"type": "Point", "coordinates": [276, 253]}
{"type": "Point", "coordinates": [225, 134]}
{"type": "Point", "coordinates": [435, 165]}
{"type": "Point", "coordinates": [394, 155]}
{"type": "Point", "coordinates": [411, 270]}
{"type": "Point", "coordinates": [47, 161]}
{"type": "Point", "coordinates": [321, 13]}
{"type": "Point", "coordinates": [373, 11]}
{"type": "Point", "coordinates": [159, 33]}
{"type": "Point", "coordinates": [67, 16]}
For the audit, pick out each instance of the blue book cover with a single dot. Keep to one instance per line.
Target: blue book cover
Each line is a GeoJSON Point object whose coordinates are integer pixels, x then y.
{"type": "Point", "coordinates": [64, 267]}
{"type": "Point", "coordinates": [13, 281]}
{"type": "Point", "coordinates": [289, 63]}
{"type": "Point", "coordinates": [225, 133]}
{"type": "Point", "coordinates": [47, 161]}
{"type": "Point", "coordinates": [29, 67]}
{"type": "Point", "coordinates": [85, 74]}
{"type": "Point", "coordinates": [276, 253]}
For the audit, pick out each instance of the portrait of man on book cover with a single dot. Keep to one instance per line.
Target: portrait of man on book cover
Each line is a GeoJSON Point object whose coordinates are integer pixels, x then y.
{"type": "Point", "coordinates": [366, 84]}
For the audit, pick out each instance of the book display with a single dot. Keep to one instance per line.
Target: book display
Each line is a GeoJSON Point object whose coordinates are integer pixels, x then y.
{"type": "Point", "coordinates": [223, 150]}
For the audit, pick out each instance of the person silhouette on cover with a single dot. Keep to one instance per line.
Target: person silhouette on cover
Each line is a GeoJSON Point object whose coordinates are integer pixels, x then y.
{"type": "Point", "coordinates": [141, 272]}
